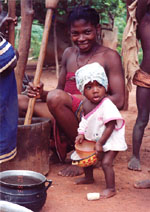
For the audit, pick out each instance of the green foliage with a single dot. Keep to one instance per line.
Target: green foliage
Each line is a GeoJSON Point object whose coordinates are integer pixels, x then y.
{"type": "Point", "coordinates": [36, 38]}
{"type": "Point", "coordinates": [120, 22]}
{"type": "Point", "coordinates": [103, 7]}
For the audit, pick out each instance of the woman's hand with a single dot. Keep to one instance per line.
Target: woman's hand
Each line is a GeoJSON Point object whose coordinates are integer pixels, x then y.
{"type": "Point", "coordinates": [4, 25]}
{"type": "Point", "coordinates": [35, 91]}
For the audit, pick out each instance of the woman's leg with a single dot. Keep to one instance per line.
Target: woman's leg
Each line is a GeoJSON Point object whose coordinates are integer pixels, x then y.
{"type": "Point", "coordinates": [40, 108]}
{"type": "Point", "coordinates": [60, 105]}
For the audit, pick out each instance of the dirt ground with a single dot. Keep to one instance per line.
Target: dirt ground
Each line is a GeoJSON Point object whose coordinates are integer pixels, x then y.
{"type": "Point", "coordinates": [65, 196]}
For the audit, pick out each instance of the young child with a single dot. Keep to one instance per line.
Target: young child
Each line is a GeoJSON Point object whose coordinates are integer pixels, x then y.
{"type": "Point", "coordinates": [102, 123]}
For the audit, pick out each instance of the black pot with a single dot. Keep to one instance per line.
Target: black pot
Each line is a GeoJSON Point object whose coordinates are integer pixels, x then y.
{"type": "Point", "coordinates": [23, 187]}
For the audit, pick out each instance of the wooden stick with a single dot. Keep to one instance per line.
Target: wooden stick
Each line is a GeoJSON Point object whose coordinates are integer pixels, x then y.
{"type": "Point", "coordinates": [12, 14]}
{"type": "Point", "coordinates": [38, 72]}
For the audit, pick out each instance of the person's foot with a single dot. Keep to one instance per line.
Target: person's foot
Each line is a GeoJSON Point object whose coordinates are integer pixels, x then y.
{"type": "Point", "coordinates": [142, 184]}
{"type": "Point", "coordinates": [84, 180]}
{"type": "Point", "coordinates": [134, 164]}
{"type": "Point", "coordinates": [107, 193]}
{"type": "Point", "coordinates": [71, 171]}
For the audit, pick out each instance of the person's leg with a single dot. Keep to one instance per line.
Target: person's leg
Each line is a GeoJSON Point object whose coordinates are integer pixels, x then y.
{"type": "Point", "coordinates": [107, 166]}
{"type": "Point", "coordinates": [143, 105]}
{"type": "Point", "coordinates": [60, 105]}
{"type": "Point", "coordinates": [88, 178]}
{"type": "Point", "coordinates": [40, 108]}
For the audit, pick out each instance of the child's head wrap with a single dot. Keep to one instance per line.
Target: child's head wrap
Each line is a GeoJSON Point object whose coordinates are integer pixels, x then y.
{"type": "Point", "coordinates": [7, 54]}
{"type": "Point", "coordinates": [89, 73]}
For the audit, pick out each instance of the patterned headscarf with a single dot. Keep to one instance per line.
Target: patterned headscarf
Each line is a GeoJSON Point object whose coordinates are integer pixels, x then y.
{"type": "Point", "coordinates": [89, 73]}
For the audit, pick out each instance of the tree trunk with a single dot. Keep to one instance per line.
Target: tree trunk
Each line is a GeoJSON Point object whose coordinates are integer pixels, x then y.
{"type": "Point", "coordinates": [12, 14]}
{"type": "Point", "coordinates": [126, 103]}
{"type": "Point", "coordinates": [24, 41]}
{"type": "Point", "coordinates": [55, 49]}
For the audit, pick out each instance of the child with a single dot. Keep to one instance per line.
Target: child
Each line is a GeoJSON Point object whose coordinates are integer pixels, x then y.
{"type": "Point", "coordinates": [101, 123]}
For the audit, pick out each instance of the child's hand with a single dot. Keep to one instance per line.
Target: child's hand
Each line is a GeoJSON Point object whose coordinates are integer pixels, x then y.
{"type": "Point", "coordinates": [79, 139]}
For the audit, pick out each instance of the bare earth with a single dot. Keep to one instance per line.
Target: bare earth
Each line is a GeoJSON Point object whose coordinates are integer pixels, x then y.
{"type": "Point", "coordinates": [65, 196]}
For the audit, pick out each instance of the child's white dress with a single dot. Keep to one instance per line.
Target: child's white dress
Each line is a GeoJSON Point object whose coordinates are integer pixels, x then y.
{"type": "Point", "coordinates": [93, 125]}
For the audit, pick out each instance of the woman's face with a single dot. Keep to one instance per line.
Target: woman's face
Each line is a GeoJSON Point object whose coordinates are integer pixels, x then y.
{"type": "Point", "coordinates": [83, 35]}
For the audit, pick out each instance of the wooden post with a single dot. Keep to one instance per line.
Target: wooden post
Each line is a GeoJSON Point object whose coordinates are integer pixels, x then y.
{"type": "Point", "coordinates": [12, 14]}
{"type": "Point", "coordinates": [50, 5]}
{"type": "Point", "coordinates": [24, 41]}
{"type": "Point", "coordinates": [55, 50]}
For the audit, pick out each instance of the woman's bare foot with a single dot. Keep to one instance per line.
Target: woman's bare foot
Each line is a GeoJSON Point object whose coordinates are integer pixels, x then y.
{"type": "Point", "coordinates": [134, 164]}
{"type": "Point", "coordinates": [142, 184]}
{"type": "Point", "coordinates": [71, 171]}
{"type": "Point", "coordinates": [84, 180]}
{"type": "Point", "coordinates": [107, 193]}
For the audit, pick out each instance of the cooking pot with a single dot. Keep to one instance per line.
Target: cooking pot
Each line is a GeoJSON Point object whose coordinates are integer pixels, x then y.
{"type": "Point", "coordinates": [24, 187]}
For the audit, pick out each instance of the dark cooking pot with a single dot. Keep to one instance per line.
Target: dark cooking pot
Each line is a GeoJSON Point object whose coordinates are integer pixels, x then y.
{"type": "Point", "coordinates": [23, 187]}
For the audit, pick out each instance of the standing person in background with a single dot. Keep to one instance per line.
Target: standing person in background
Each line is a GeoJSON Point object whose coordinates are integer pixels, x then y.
{"type": "Point", "coordinates": [64, 103]}
{"type": "Point", "coordinates": [8, 95]}
{"type": "Point", "coordinates": [142, 80]}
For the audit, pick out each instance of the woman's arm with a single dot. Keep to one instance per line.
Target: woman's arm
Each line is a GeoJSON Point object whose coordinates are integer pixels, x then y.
{"type": "Point", "coordinates": [116, 81]}
{"type": "Point", "coordinates": [63, 71]}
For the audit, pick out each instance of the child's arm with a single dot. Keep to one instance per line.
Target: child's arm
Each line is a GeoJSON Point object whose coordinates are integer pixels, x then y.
{"type": "Point", "coordinates": [106, 134]}
{"type": "Point", "coordinates": [81, 131]}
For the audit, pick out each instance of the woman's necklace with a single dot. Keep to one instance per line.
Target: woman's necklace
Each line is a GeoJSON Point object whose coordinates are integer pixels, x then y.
{"type": "Point", "coordinates": [90, 57]}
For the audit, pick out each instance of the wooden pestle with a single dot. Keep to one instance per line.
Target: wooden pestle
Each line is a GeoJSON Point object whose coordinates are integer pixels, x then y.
{"type": "Point", "coordinates": [50, 5]}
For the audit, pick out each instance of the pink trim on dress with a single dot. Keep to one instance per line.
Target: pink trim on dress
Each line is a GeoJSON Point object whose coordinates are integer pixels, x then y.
{"type": "Point", "coordinates": [90, 113]}
{"type": "Point", "coordinates": [115, 119]}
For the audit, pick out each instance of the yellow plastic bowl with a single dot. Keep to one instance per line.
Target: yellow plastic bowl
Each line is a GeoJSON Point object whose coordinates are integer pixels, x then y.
{"type": "Point", "coordinates": [85, 162]}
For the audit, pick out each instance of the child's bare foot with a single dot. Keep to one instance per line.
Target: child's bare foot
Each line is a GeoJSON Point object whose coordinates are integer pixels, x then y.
{"type": "Point", "coordinates": [84, 180]}
{"type": "Point", "coordinates": [134, 164]}
{"type": "Point", "coordinates": [107, 193]}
